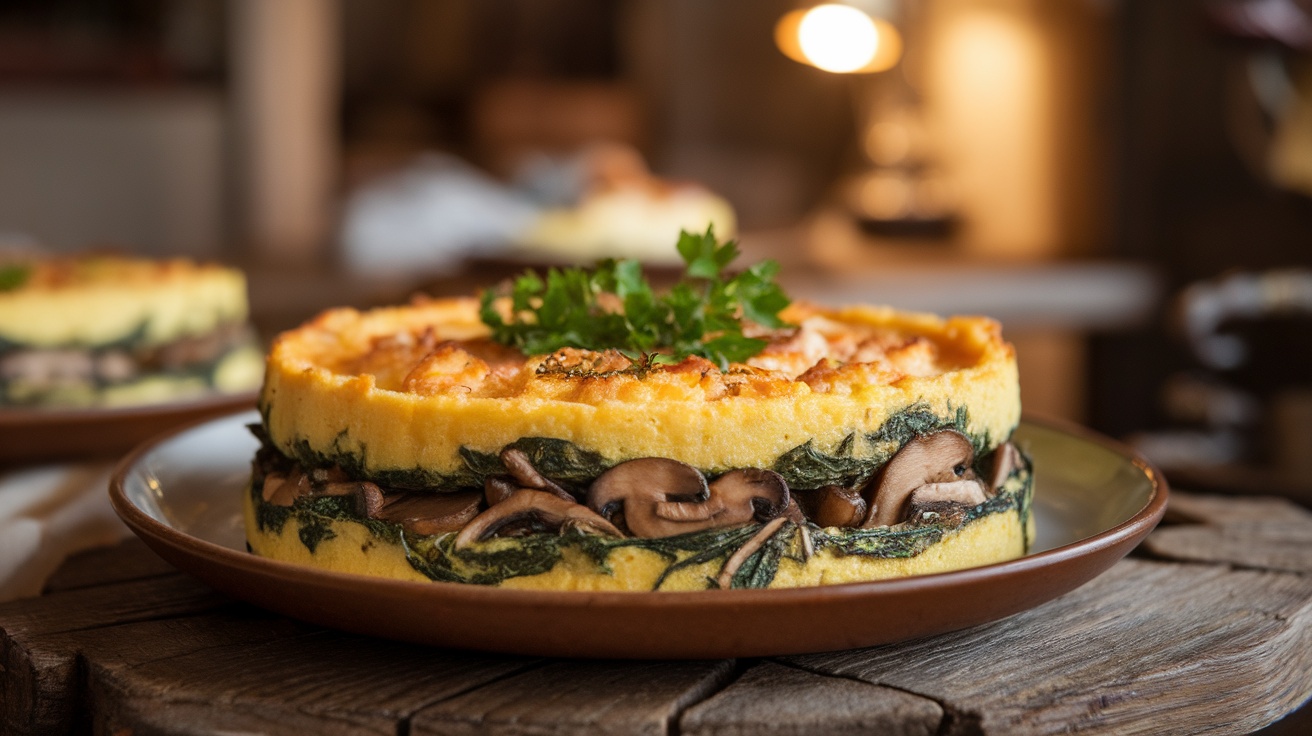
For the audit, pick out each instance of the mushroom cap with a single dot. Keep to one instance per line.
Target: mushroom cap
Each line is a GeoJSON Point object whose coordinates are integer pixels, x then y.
{"type": "Point", "coordinates": [663, 498]}
{"type": "Point", "coordinates": [839, 506]}
{"type": "Point", "coordinates": [940, 457]}
{"type": "Point", "coordinates": [635, 489]}
{"type": "Point", "coordinates": [1006, 459]}
{"type": "Point", "coordinates": [430, 513]}
{"type": "Point", "coordinates": [750, 493]}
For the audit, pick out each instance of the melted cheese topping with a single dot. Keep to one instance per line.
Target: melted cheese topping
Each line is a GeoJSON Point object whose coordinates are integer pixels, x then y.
{"type": "Point", "coordinates": [408, 387]}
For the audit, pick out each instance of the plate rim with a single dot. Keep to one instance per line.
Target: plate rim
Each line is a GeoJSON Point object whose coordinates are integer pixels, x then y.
{"type": "Point", "coordinates": [1138, 525]}
{"type": "Point", "coordinates": [26, 417]}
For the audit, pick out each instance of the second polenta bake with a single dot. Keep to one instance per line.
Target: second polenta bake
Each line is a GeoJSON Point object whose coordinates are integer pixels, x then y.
{"type": "Point", "coordinates": [583, 432]}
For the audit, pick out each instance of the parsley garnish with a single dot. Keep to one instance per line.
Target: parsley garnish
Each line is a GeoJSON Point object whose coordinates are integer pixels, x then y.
{"type": "Point", "coordinates": [14, 275]}
{"type": "Point", "coordinates": [613, 306]}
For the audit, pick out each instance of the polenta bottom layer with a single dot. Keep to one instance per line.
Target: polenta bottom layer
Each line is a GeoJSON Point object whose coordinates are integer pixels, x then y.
{"type": "Point", "coordinates": [326, 533]}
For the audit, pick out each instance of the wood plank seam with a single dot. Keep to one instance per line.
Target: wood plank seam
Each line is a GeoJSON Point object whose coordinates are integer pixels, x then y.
{"type": "Point", "coordinates": [404, 723]}
{"type": "Point", "coordinates": [954, 717]}
{"type": "Point", "coordinates": [737, 668]}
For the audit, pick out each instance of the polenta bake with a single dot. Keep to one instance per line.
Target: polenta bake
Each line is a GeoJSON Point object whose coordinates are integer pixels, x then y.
{"type": "Point", "coordinates": [83, 331]}
{"type": "Point", "coordinates": [583, 432]}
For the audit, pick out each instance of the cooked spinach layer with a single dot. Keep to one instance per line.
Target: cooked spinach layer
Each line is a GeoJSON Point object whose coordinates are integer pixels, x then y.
{"type": "Point", "coordinates": [437, 557]}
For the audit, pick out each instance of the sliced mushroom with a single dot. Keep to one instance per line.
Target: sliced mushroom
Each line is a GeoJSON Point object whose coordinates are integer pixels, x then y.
{"type": "Point", "coordinates": [273, 482]}
{"type": "Point", "coordinates": [940, 457]}
{"type": "Point", "coordinates": [659, 497]}
{"type": "Point", "coordinates": [282, 489]}
{"type": "Point", "coordinates": [794, 514]}
{"type": "Point", "coordinates": [839, 506]}
{"type": "Point", "coordinates": [938, 497]}
{"type": "Point", "coordinates": [522, 470]}
{"type": "Point", "coordinates": [497, 488]}
{"type": "Point", "coordinates": [749, 548]}
{"type": "Point", "coordinates": [1006, 459]}
{"type": "Point", "coordinates": [749, 493]}
{"type": "Point", "coordinates": [536, 507]}
{"type": "Point", "coordinates": [630, 493]}
{"type": "Point", "coordinates": [430, 513]}
{"type": "Point", "coordinates": [369, 499]}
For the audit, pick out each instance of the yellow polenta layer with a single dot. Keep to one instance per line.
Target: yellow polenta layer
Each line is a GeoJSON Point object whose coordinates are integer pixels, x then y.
{"type": "Point", "coordinates": [101, 300]}
{"type": "Point", "coordinates": [306, 401]}
{"type": "Point", "coordinates": [354, 549]}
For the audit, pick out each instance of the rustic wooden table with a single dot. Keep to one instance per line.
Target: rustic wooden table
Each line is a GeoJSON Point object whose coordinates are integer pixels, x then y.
{"type": "Point", "coordinates": [1206, 629]}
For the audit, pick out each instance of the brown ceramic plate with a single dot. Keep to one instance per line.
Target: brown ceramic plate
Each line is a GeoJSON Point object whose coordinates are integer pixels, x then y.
{"type": "Point", "coordinates": [35, 435]}
{"type": "Point", "coordinates": [1094, 502]}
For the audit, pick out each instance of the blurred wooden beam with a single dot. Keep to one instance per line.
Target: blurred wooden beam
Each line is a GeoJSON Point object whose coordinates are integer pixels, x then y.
{"type": "Point", "coordinates": [285, 84]}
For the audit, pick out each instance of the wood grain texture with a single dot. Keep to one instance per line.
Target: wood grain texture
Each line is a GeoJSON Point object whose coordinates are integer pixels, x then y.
{"type": "Point", "coordinates": [1211, 648]}
{"type": "Point", "coordinates": [1260, 533]}
{"type": "Point", "coordinates": [131, 560]}
{"type": "Point", "coordinates": [315, 681]}
{"type": "Point", "coordinates": [1210, 634]}
{"type": "Point", "coordinates": [773, 700]}
{"type": "Point", "coordinates": [578, 697]}
{"type": "Point", "coordinates": [38, 687]}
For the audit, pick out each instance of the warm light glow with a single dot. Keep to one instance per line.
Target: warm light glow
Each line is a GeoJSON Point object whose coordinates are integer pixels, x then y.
{"type": "Point", "coordinates": [785, 36]}
{"type": "Point", "coordinates": [993, 100]}
{"type": "Point", "coordinates": [837, 38]}
{"type": "Point", "coordinates": [885, 196]}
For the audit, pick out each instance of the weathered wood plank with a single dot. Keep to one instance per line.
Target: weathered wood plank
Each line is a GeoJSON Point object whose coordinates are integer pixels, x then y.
{"type": "Point", "coordinates": [1258, 533]}
{"type": "Point", "coordinates": [1146, 648]}
{"type": "Point", "coordinates": [38, 685]}
{"type": "Point", "coordinates": [130, 560]}
{"type": "Point", "coordinates": [578, 697]}
{"type": "Point", "coordinates": [318, 682]}
{"type": "Point", "coordinates": [1262, 545]}
{"type": "Point", "coordinates": [774, 700]}
{"type": "Point", "coordinates": [1211, 509]}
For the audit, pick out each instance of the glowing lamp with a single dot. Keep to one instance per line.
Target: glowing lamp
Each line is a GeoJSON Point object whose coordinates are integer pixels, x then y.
{"type": "Point", "coordinates": [838, 38]}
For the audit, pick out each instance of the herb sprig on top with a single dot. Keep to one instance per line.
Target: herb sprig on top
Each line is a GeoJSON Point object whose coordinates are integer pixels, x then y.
{"type": "Point", "coordinates": [614, 306]}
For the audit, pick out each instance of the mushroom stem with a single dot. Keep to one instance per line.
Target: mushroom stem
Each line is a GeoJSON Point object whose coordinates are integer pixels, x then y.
{"type": "Point", "coordinates": [1006, 459]}
{"type": "Point", "coordinates": [540, 506]}
{"type": "Point", "coordinates": [522, 470]}
{"type": "Point", "coordinates": [749, 548]}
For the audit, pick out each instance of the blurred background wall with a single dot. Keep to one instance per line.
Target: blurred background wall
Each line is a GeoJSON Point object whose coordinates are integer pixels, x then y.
{"type": "Point", "coordinates": [1089, 171]}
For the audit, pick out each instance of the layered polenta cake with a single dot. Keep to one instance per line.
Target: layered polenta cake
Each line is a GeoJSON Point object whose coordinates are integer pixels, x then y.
{"type": "Point", "coordinates": [415, 442]}
{"type": "Point", "coordinates": [108, 331]}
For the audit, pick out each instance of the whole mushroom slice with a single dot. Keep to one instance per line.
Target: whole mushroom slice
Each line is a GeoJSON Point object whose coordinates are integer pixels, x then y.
{"type": "Point", "coordinates": [282, 489]}
{"type": "Point", "coordinates": [839, 506]}
{"type": "Point", "coordinates": [655, 497]}
{"type": "Point", "coordinates": [940, 457]}
{"type": "Point", "coordinates": [430, 513]}
{"type": "Point", "coordinates": [1006, 459]}
{"type": "Point", "coordinates": [961, 494]}
{"type": "Point", "coordinates": [749, 494]}
{"type": "Point", "coordinates": [539, 507]}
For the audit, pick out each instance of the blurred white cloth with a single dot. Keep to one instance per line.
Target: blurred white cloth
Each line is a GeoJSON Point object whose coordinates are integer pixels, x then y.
{"type": "Point", "coordinates": [48, 513]}
{"type": "Point", "coordinates": [429, 216]}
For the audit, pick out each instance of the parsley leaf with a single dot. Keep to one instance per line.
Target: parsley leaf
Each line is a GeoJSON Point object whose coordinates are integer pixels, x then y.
{"type": "Point", "coordinates": [14, 275]}
{"type": "Point", "coordinates": [614, 306]}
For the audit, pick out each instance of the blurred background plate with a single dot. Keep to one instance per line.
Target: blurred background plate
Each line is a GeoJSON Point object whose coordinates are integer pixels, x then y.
{"type": "Point", "coordinates": [39, 435]}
